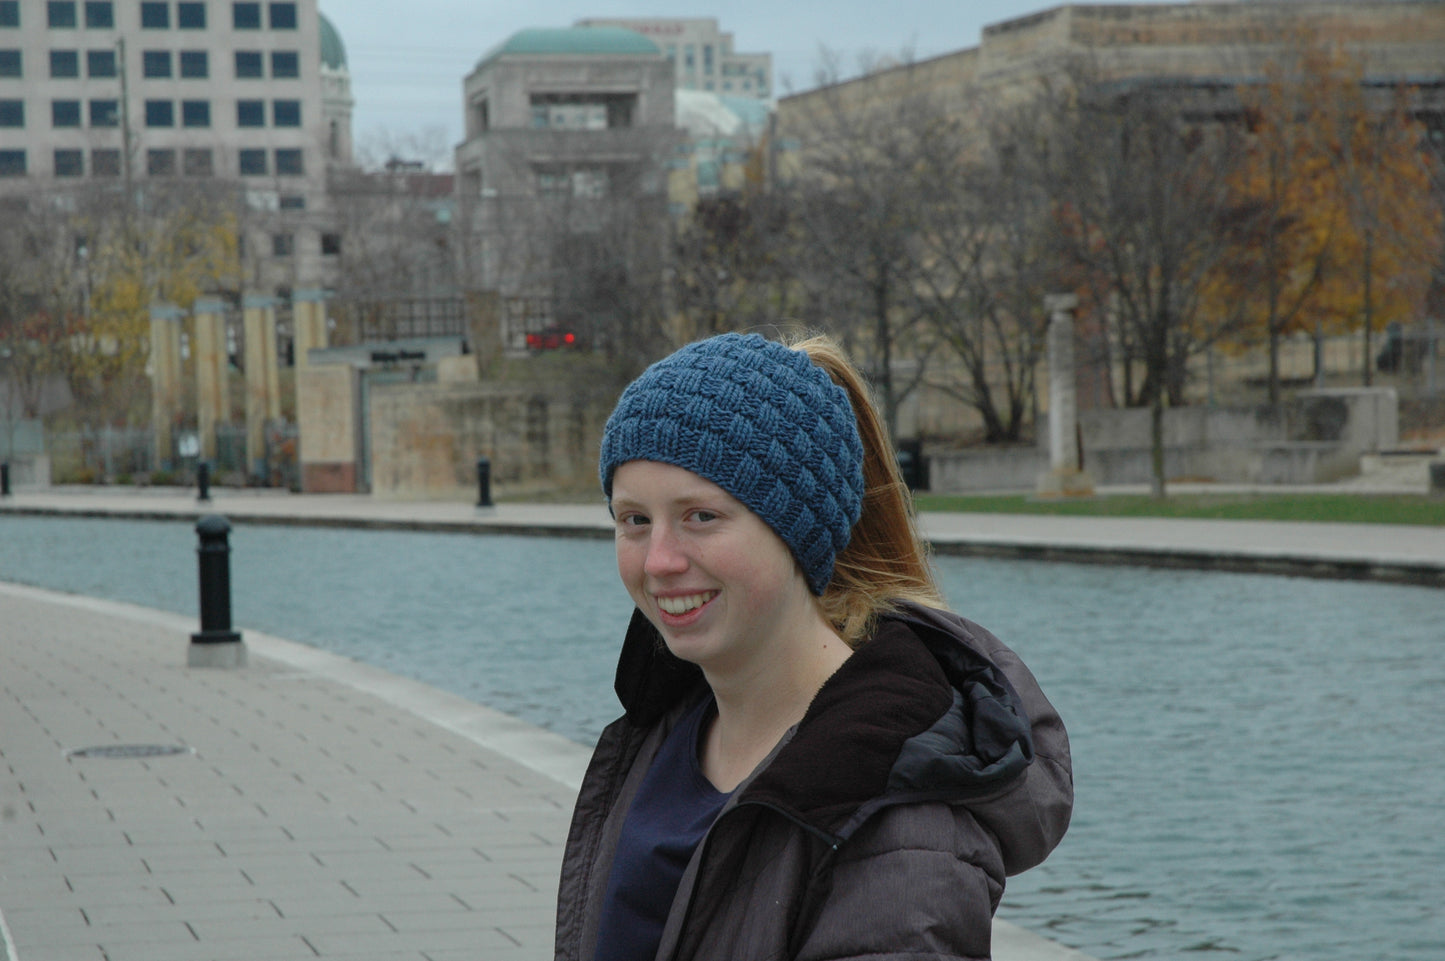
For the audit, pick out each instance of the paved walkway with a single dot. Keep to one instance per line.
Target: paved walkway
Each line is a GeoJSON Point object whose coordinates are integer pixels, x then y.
{"type": "Point", "coordinates": [318, 808]}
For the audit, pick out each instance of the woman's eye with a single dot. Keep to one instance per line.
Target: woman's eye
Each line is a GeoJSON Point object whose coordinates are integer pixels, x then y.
{"type": "Point", "coordinates": [704, 516]}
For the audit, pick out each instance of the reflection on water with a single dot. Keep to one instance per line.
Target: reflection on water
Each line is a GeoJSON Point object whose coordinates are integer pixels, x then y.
{"type": "Point", "coordinates": [1257, 759]}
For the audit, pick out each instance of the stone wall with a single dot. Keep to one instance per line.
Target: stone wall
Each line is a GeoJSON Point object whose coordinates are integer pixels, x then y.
{"type": "Point", "coordinates": [1317, 437]}
{"type": "Point", "coordinates": [426, 439]}
{"type": "Point", "coordinates": [328, 424]}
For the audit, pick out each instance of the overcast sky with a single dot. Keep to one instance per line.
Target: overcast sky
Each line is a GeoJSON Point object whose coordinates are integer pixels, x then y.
{"type": "Point", "coordinates": [408, 58]}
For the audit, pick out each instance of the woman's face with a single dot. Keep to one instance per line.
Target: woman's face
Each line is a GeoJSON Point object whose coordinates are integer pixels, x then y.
{"type": "Point", "coordinates": [717, 583]}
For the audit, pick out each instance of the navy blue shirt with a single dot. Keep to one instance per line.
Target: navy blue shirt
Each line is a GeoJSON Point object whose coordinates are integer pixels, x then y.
{"type": "Point", "coordinates": [673, 809]}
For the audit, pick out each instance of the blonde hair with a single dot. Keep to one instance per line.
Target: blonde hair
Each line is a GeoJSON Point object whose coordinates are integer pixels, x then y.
{"type": "Point", "coordinates": [886, 561]}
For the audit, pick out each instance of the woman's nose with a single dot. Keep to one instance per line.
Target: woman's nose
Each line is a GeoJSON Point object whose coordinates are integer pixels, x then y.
{"type": "Point", "coordinates": [664, 552]}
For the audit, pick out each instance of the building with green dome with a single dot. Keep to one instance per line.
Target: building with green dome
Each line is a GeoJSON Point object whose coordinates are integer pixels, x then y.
{"type": "Point", "coordinates": [336, 99]}
{"type": "Point", "coordinates": [567, 133]}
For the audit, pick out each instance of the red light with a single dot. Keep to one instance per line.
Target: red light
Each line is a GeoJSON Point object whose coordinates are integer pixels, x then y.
{"type": "Point", "coordinates": [571, 338]}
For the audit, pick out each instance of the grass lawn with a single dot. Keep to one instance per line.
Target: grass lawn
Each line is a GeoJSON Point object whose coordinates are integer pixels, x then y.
{"type": "Point", "coordinates": [1356, 508]}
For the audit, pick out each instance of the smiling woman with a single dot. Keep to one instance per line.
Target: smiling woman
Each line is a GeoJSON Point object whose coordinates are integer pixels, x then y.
{"type": "Point", "coordinates": [785, 620]}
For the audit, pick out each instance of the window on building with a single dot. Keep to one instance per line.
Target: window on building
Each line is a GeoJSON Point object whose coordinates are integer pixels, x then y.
{"type": "Point", "coordinates": [9, 13]}
{"type": "Point", "coordinates": [283, 16]}
{"type": "Point", "coordinates": [160, 113]}
{"type": "Point", "coordinates": [249, 65]}
{"type": "Point", "coordinates": [105, 162]}
{"type": "Point", "coordinates": [65, 113]}
{"type": "Point", "coordinates": [582, 111]}
{"type": "Point", "coordinates": [289, 163]}
{"type": "Point", "coordinates": [64, 63]}
{"type": "Point", "coordinates": [285, 64]}
{"type": "Point", "coordinates": [286, 113]}
{"type": "Point", "coordinates": [156, 63]}
{"type": "Point", "coordinates": [99, 14]}
{"type": "Point", "coordinates": [161, 162]}
{"type": "Point", "coordinates": [191, 16]}
{"type": "Point", "coordinates": [246, 16]}
{"type": "Point", "coordinates": [100, 63]}
{"type": "Point", "coordinates": [283, 245]}
{"type": "Point", "coordinates": [707, 58]}
{"type": "Point", "coordinates": [689, 57]}
{"type": "Point", "coordinates": [155, 16]}
{"type": "Point", "coordinates": [12, 163]}
{"type": "Point", "coordinates": [10, 64]}
{"type": "Point", "coordinates": [331, 245]}
{"type": "Point", "coordinates": [12, 113]}
{"type": "Point", "coordinates": [252, 162]}
{"type": "Point", "coordinates": [195, 113]}
{"type": "Point", "coordinates": [198, 162]}
{"type": "Point", "coordinates": [60, 14]}
{"type": "Point", "coordinates": [105, 113]}
{"type": "Point", "coordinates": [250, 113]}
{"type": "Point", "coordinates": [69, 163]}
{"type": "Point", "coordinates": [195, 64]}
{"type": "Point", "coordinates": [293, 202]}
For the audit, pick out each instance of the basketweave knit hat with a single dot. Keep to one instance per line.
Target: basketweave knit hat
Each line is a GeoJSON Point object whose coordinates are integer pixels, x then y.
{"type": "Point", "coordinates": [761, 421]}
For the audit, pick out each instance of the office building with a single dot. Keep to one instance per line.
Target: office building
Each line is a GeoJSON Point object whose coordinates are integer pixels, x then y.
{"type": "Point", "coordinates": [702, 55]}
{"type": "Point", "coordinates": [248, 93]}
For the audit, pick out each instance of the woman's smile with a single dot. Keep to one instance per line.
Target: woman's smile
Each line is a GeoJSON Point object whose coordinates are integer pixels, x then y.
{"type": "Point", "coordinates": [679, 604]}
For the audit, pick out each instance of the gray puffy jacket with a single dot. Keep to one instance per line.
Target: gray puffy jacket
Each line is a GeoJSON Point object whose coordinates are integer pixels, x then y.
{"type": "Point", "coordinates": [927, 768]}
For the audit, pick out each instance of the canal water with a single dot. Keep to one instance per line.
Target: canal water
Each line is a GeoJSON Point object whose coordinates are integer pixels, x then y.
{"type": "Point", "coordinates": [1259, 761]}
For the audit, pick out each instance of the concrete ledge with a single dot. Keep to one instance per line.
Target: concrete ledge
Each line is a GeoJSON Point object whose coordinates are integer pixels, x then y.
{"type": "Point", "coordinates": [1422, 574]}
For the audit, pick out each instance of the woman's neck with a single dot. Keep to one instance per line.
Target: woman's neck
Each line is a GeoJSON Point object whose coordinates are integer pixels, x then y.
{"type": "Point", "coordinates": [756, 708]}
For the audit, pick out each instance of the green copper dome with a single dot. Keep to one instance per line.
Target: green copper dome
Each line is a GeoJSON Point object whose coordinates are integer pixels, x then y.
{"type": "Point", "coordinates": [575, 41]}
{"type": "Point", "coordinates": [333, 52]}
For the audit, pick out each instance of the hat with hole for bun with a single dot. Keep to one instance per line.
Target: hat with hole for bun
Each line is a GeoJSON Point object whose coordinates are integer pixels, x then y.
{"type": "Point", "coordinates": [761, 421]}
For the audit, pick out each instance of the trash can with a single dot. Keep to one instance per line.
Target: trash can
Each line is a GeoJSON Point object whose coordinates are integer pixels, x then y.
{"type": "Point", "coordinates": [912, 465]}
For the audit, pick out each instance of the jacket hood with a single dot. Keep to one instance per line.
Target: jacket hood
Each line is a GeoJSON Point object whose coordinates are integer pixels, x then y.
{"type": "Point", "coordinates": [933, 707]}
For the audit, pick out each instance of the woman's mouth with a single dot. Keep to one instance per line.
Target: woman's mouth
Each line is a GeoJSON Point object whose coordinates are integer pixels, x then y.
{"type": "Point", "coordinates": [683, 603]}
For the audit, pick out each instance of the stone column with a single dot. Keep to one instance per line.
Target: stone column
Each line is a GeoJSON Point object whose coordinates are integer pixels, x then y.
{"type": "Point", "coordinates": [263, 392]}
{"type": "Point", "coordinates": [213, 400]}
{"type": "Point", "coordinates": [309, 319]}
{"type": "Point", "coordinates": [165, 371]}
{"type": "Point", "coordinates": [1065, 478]}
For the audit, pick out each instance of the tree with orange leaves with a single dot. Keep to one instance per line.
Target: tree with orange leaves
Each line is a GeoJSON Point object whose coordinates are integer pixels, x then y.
{"type": "Point", "coordinates": [1337, 194]}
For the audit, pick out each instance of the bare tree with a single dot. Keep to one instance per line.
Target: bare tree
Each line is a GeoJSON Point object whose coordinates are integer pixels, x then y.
{"type": "Point", "coordinates": [857, 209]}
{"type": "Point", "coordinates": [729, 266]}
{"type": "Point", "coordinates": [1144, 201]}
{"type": "Point", "coordinates": [983, 255]}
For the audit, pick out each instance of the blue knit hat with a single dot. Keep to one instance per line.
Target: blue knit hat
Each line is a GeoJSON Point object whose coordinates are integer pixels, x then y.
{"type": "Point", "coordinates": [761, 421]}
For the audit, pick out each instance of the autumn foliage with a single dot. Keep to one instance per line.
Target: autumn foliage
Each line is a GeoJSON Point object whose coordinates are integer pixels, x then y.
{"type": "Point", "coordinates": [1343, 229]}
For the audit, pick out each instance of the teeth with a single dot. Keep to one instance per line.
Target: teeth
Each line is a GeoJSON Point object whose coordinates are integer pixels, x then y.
{"type": "Point", "coordinates": [681, 605]}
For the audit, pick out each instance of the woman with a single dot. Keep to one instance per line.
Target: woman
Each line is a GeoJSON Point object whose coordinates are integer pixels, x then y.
{"type": "Point", "coordinates": [816, 759]}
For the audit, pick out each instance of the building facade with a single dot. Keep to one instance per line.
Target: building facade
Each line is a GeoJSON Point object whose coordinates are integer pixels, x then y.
{"type": "Point", "coordinates": [249, 94]}
{"type": "Point", "coordinates": [567, 134]}
{"type": "Point", "coordinates": [702, 55]}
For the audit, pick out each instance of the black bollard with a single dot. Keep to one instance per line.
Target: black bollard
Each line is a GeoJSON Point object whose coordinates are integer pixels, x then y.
{"type": "Point", "coordinates": [484, 482]}
{"type": "Point", "coordinates": [214, 554]}
{"type": "Point", "coordinates": [5, 480]}
{"type": "Point", "coordinates": [203, 482]}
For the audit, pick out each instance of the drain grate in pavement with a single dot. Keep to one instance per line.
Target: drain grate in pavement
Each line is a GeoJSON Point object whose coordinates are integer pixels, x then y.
{"type": "Point", "coordinates": [129, 750]}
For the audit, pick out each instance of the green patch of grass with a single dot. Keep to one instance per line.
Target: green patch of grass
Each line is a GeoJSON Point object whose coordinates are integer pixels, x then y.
{"type": "Point", "coordinates": [1352, 508]}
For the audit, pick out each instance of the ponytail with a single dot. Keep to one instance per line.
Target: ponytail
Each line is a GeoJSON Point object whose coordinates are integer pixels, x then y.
{"type": "Point", "coordinates": [886, 561]}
